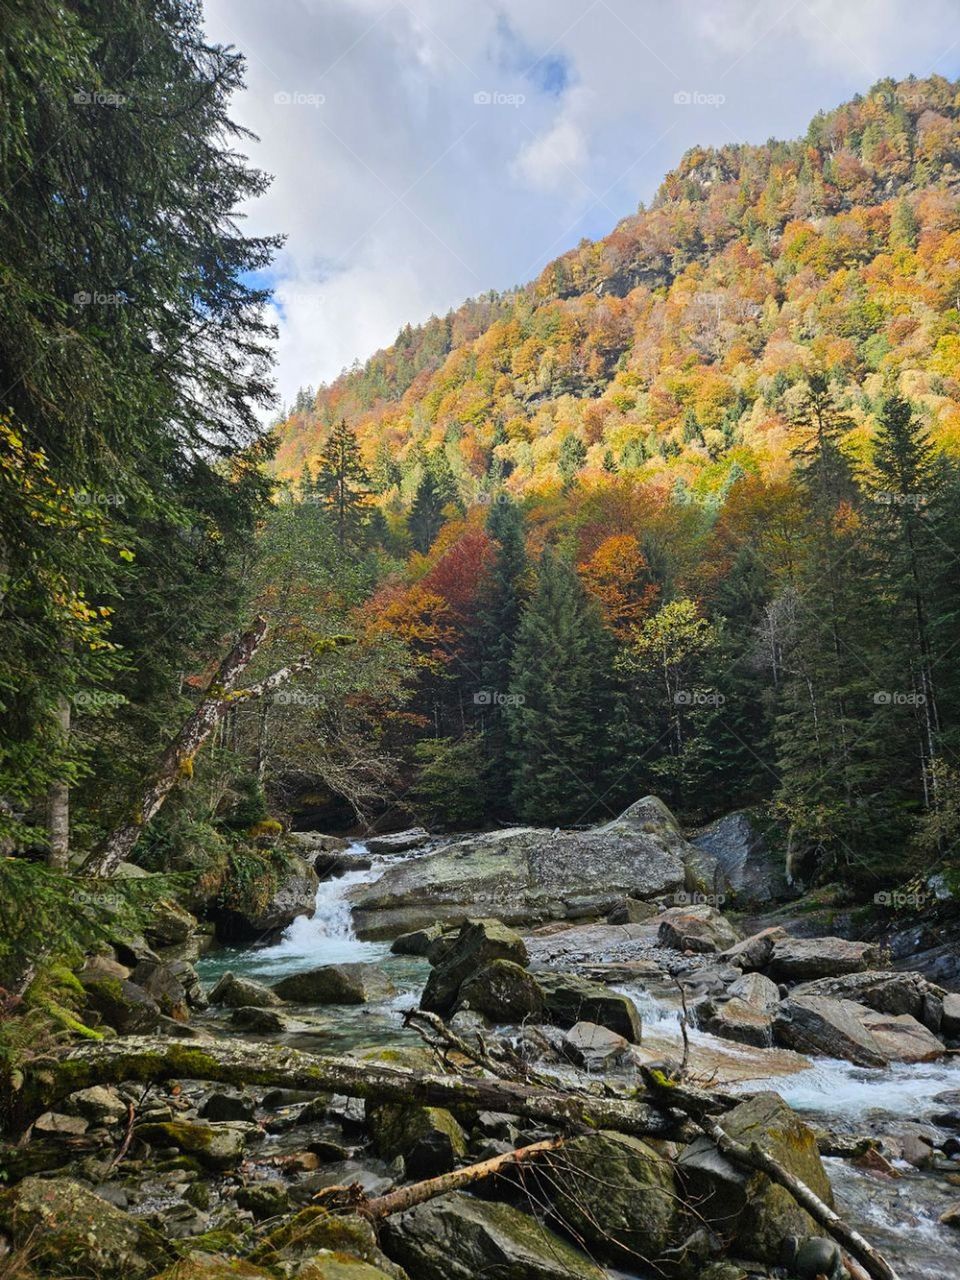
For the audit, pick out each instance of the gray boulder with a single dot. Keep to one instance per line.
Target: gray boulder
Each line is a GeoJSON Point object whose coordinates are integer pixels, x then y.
{"type": "Point", "coordinates": [595, 1048]}
{"type": "Point", "coordinates": [418, 942]}
{"type": "Point", "coordinates": [569, 999]}
{"type": "Point", "coordinates": [799, 959]}
{"type": "Point", "coordinates": [736, 1019]}
{"type": "Point", "coordinates": [753, 872]}
{"type": "Point", "coordinates": [503, 992]}
{"type": "Point", "coordinates": [845, 1029]}
{"type": "Point", "coordinates": [886, 991]}
{"type": "Point", "coordinates": [294, 895]}
{"type": "Point", "coordinates": [755, 951]}
{"type": "Point", "coordinates": [398, 841]}
{"type": "Point", "coordinates": [698, 927]}
{"type": "Point", "coordinates": [238, 993]}
{"type": "Point", "coordinates": [476, 945]}
{"type": "Point", "coordinates": [336, 984]}
{"type": "Point", "coordinates": [256, 1018]}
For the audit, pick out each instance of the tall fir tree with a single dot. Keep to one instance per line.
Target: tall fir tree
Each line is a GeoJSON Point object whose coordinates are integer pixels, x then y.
{"type": "Point", "coordinates": [342, 482]}
{"type": "Point", "coordinates": [426, 515]}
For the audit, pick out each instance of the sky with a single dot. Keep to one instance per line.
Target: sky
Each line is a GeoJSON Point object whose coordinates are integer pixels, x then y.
{"type": "Point", "coordinates": [425, 151]}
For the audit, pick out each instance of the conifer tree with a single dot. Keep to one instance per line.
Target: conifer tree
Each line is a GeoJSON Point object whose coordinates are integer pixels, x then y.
{"type": "Point", "coordinates": [426, 514]}
{"type": "Point", "coordinates": [342, 482]}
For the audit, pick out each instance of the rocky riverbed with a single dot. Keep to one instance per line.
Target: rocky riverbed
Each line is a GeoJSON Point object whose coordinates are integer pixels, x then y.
{"type": "Point", "coordinates": [821, 1037]}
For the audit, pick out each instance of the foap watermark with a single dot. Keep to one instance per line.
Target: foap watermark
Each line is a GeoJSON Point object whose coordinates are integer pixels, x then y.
{"type": "Point", "coordinates": [298, 99]}
{"type": "Point", "coordinates": [94, 298]}
{"type": "Point", "coordinates": [494, 698]}
{"type": "Point", "coordinates": [889, 499]}
{"type": "Point", "coordinates": [698, 698]}
{"type": "Point", "coordinates": [897, 98]}
{"type": "Point", "coordinates": [685, 899]}
{"type": "Point", "coordinates": [697, 98]}
{"type": "Point", "coordinates": [99, 498]}
{"type": "Point", "coordinates": [497, 98]}
{"type": "Point", "coordinates": [103, 901]}
{"type": "Point", "coordinates": [296, 698]}
{"type": "Point", "coordinates": [96, 699]}
{"type": "Point", "coordinates": [899, 698]}
{"type": "Point", "coordinates": [492, 499]}
{"type": "Point", "coordinates": [98, 98]}
{"type": "Point", "coordinates": [899, 898]}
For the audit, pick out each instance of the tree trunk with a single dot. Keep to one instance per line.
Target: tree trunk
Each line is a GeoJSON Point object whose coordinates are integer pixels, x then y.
{"type": "Point", "coordinates": [58, 801]}
{"type": "Point", "coordinates": [147, 1058]}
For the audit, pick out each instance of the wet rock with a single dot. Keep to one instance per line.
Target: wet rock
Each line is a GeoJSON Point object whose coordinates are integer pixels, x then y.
{"type": "Point", "coordinates": [294, 895]}
{"type": "Point", "coordinates": [273, 1099]}
{"type": "Point", "coordinates": [595, 1048]}
{"type": "Point", "coordinates": [569, 999]}
{"type": "Point", "coordinates": [745, 1203]}
{"type": "Point", "coordinates": [160, 982]}
{"type": "Point", "coordinates": [845, 1029]}
{"type": "Point", "coordinates": [695, 928]}
{"type": "Point", "coordinates": [216, 1146]}
{"type": "Point", "coordinates": [417, 942]}
{"type": "Point", "coordinates": [236, 993]}
{"type": "Point", "coordinates": [429, 1139]}
{"type": "Point", "coordinates": [617, 1194]}
{"type": "Point", "coordinates": [122, 1004]}
{"type": "Point", "coordinates": [632, 911]}
{"type": "Point", "coordinates": [398, 841]}
{"type": "Point", "coordinates": [800, 959]}
{"type": "Point", "coordinates": [314, 1230]}
{"type": "Point", "coordinates": [253, 1018]}
{"type": "Point", "coordinates": [309, 843]}
{"type": "Point", "coordinates": [71, 1231]}
{"type": "Point", "coordinates": [336, 984]}
{"type": "Point", "coordinates": [902, 1038]}
{"type": "Point", "coordinates": [753, 872]}
{"type": "Point", "coordinates": [264, 1199]}
{"type": "Point", "coordinates": [735, 1019]}
{"type": "Point", "coordinates": [503, 992]}
{"type": "Point", "coordinates": [476, 945]}
{"type": "Point", "coordinates": [525, 874]}
{"type": "Point", "coordinates": [886, 991]}
{"type": "Point", "coordinates": [755, 952]}
{"type": "Point", "coordinates": [457, 1237]}
{"type": "Point", "coordinates": [951, 1217]}
{"type": "Point", "coordinates": [330, 866]}
{"type": "Point", "coordinates": [228, 1106]}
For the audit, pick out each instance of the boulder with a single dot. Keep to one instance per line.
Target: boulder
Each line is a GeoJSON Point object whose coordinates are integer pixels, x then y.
{"type": "Point", "coordinates": [503, 992]}
{"type": "Point", "coordinates": [332, 865]}
{"type": "Point", "coordinates": [526, 874]}
{"type": "Point", "coordinates": [70, 1231]}
{"type": "Point", "coordinates": [398, 841]}
{"type": "Point", "coordinates": [52, 1124]}
{"type": "Point", "coordinates": [355, 983]}
{"type": "Point", "coordinates": [617, 1194]}
{"type": "Point", "coordinates": [477, 943]}
{"type": "Point", "coordinates": [169, 924]}
{"type": "Point", "coordinates": [632, 911]}
{"type": "Point", "coordinates": [264, 1199]}
{"type": "Point", "coordinates": [339, 1266]}
{"type": "Point", "coordinates": [755, 874]}
{"type": "Point", "coordinates": [294, 895]}
{"type": "Point", "coordinates": [457, 1237]}
{"type": "Point", "coordinates": [122, 1004]}
{"type": "Point", "coordinates": [237, 993]}
{"type": "Point", "coordinates": [569, 999]}
{"type": "Point", "coordinates": [228, 1106]}
{"type": "Point", "coordinates": [595, 1048]}
{"type": "Point", "coordinates": [845, 1029]}
{"type": "Point", "coordinates": [735, 1019]}
{"type": "Point", "coordinates": [254, 1018]}
{"type": "Point", "coordinates": [316, 1232]}
{"type": "Point", "coordinates": [159, 980]}
{"type": "Point", "coordinates": [755, 990]}
{"type": "Point", "coordinates": [755, 951]}
{"type": "Point", "coordinates": [886, 991]}
{"type": "Point", "coordinates": [213, 1266]}
{"type": "Point", "coordinates": [950, 1025]}
{"type": "Point", "coordinates": [215, 1146]}
{"type": "Point", "coordinates": [309, 843]}
{"type": "Point", "coordinates": [417, 942]}
{"type": "Point", "coordinates": [428, 1138]}
{"type": "Point", "coordinates": [98, 1104]}
{"type": "Point", "coordinates": [800, 959]}
{"type": "Point", "coordinates": [745, 1203]}
{"type": "Point", "coordinates": [695, 928]}
{"type": "Point", "coordinates": [103, 966]}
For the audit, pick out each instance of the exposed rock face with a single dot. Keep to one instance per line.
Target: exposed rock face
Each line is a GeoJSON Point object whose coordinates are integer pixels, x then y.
{"type": "Point", "coordinates": [336, 984]}
{"type": "Point", "coordinates": [476, 945]}
{"type": "Point", "coordinates": [331, 865]}
{"type": "Point", "coordinates": [753, 873]}
{"type": "Point", "coordinates": [398, 841]}
{"type": "Point", "coordinates": [503, 992]}
{"type": "Point", "coordinates": [755, 952]}
{"type": "Point", "coordinates": [525, 874]}
{"type": "Point", "coordinates": [458, 1237]}
{"type": "Point", "coordinates": [747, 1203]}
{"type": "Point", "coordinates": [632, 911]}
{"type": "Point", "coordinates": [428, 1138]}
{"type": "Point", "coordinates": [570, 999]}
{"type": "Point", "coordinates": [73, 1232]}
{"type": "Point", "coordinates": [295, 895]}
{"type": "Point", "coordinates": [695, 928]}
{"type": "Point", "coordinates": [736, 1019]}
{"type": "Point", "coordinates": [797, 959]}
{"type": "Point", "coordinates": [594, 1048]}
{"type": "Point", "coordinates": [418, 942]}
{"type": "Point", "coordinates": [169, 924]}
{"type": "Point", "coordinates": [238, 993]}
{"type": "Point", "coordinates": [886, 991]}
{"type": "Point", "coordinates": [161, 982]}
{"type": "Point", "coordinates": [845, 1029]}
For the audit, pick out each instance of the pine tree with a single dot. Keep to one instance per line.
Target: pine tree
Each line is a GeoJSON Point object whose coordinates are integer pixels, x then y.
{"type": "Point", "coordinates": [426, 514]}
{"type": "Point", "coordinates": [560, 701]}
{"type": "Point", "coordinates": [342, 482]}
{"type": "Point", "coordinates": [573, 455]}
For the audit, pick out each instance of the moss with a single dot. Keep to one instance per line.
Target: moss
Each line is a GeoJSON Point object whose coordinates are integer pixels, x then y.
{"type": "Point", "coordinates": [314, 1229]}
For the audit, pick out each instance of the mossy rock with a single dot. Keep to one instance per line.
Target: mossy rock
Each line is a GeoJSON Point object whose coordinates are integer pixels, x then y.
{"type": "Point", "coordinates": [216, 1146]}
{"type": "Point", "coordinates": [503, 991]}
{"type": "Point", "coordinates": [73, 1232]}
{"type": "Point", "coordinates": [428, 1138]}
{"type": "Point", "coordinates": [339, 1266]}
{"type": "Point", "coordinates": [475, 946]}
{"type": "Point", "coordinates": [314, 1230]}
{"type": "Point", "coordinates": [213, 1266]}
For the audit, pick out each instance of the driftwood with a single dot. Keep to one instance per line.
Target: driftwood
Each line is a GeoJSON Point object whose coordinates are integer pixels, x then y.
{"type": "Point", "coordinates": [754, 1157]}
{"type": "Point", "coordinates": [147, 1058]}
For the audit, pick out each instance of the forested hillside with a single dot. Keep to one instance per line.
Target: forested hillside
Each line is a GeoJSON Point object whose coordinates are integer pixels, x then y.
{"type": "Point", "coordinates": [682, 514]}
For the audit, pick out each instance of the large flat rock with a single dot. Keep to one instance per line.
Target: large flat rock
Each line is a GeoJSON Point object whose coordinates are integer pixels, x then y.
{"type": "Point", "coordinates": [845, 1029]}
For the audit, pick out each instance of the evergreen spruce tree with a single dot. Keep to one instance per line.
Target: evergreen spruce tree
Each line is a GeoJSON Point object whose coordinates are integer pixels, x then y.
{"type": "Point", "coordinates": [426, 514]}
{"type": "Point", "coordinates": [342, 482]}
{"type": "Point", "coordinates": [560, 701]}
{"type": "Point", "coordinates": [573, 455]}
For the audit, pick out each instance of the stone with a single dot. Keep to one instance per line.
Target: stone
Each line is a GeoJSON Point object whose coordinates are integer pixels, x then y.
{"type": "Point", "coordinates": [698, 928]}
{"type": "Point", "coordinates": [755, 951]}
{"type": "Point", "coordinates": [213, 1266]}
{"type": "Point", "coordinates": [753, 872]}
{"type": "Point", "coordinates": [744, 1202]}
{"type": "Point", "coordinates": [52, 1124]}
{"type": "Point", "coordinates": [71, 1231]}
{"type": "Point", "coordinates": [735, 1019]}
{"type": "Point", "coordinates": [457, 1237]}
{"type": "Point", "coordinates": [570, 999]}
{"type": "Point", "coordinates": [159, 981]}
{"type": "Point", "coordinates": [800, 959]}
{"type": "Point", "coordinates": [632, 911]}
{"type": "Point", "coordinates": [121, 1004]}
{"type": "Point", "coordinates": [228, 1106]}
{"type": "Point", "coordinates": [951, 1216]}
{"type": "Point", "coordinates": [99, 1104]}
{"type": "Point", "coordinates": [950, 1024]}
{"type": "Point", "coordinates": [102, 966]}
{"type": "Point", "coordinates": [617, 1194]}
{"type": "Point", "coordinates": [331, 865]}
{"type": "Point", "coordinates": [398, 841]}
{"type": "Point", "coordinates": [755, 990]}
{"type": "Point", "coordinates": [169, 924]}
{"type": "Point", "coordinates": [253, 1018]}
{"type": "Point", "coordinates": [417, 942]}
{"type": "Point", "coordinates": [338, 1266]}
{"type": "Point", "coordinates": [294, 895]}
{"type": "Point", "coordinates": [477, 943]}
{"type": "Point", "coordinates": [524, 875]}
{"type": "Point", "coordinates": [315, 1231]}
{"type": "Point", "coordinates": [901, 1038]}
{"type": "Point", "coordinates": [264, 1199]}
{"type": "Point", "coordinates": [595, 1048]}
{"type": "Point", "coordinates": [236, 993]}
{"type": "Point", "coordinates": [845, 1029]}
{"type": "Point", "coordinates": [428, 1138]}
{"type": "Point", "coordinates": [886, 991]}
{"type": "Point", "coordinates": [355, 983]}
{"type": "Point", "coordinates": [503, 992]}
{"type": "Point", "coordinates": [215, 1146]}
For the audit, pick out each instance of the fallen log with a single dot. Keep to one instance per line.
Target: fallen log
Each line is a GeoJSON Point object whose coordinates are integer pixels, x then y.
{"type": "Point", "coordinates": [150, 1059]}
